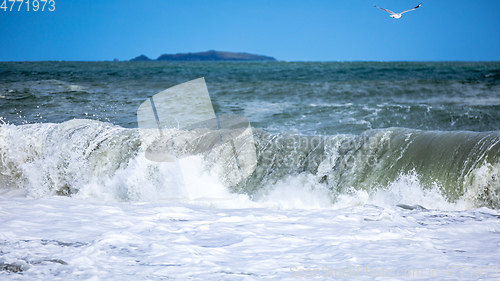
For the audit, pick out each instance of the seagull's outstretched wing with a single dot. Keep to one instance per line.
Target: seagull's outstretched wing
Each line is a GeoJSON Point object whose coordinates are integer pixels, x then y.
{"type": "Point", "coordinates": [389, 11]}
{"type": "Point", "coordinates": [413, 8]}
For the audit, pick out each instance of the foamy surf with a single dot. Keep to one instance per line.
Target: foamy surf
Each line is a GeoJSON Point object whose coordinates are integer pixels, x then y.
{"type": "Point", "coordinates": [101, 161]}
{"type": "Point", "coordinates": [69, 239]}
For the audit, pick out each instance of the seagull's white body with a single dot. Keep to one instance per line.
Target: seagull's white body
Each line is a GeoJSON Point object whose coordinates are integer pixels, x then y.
{"type": "Point", "coordinates": [398, 15]}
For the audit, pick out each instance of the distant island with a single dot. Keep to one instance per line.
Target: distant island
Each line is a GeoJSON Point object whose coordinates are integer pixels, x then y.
{"type": "Point", "coordinates": [207, 56]}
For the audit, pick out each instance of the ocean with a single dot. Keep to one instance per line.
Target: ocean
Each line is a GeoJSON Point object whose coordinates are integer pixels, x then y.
{"type": "Point", "coordinates": [369, 170]}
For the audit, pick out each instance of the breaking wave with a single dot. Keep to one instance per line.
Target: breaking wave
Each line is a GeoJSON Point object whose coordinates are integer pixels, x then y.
{"type": "Point", "coordinates": [100, 161]}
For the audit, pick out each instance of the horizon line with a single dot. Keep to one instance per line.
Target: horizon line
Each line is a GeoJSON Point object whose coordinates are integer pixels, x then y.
{"type": "Point", "coordinates": [248, 61]}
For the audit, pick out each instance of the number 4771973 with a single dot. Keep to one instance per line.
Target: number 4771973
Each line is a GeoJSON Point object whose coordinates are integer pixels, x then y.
{"type": "Point", "coordinates": [35, 5]}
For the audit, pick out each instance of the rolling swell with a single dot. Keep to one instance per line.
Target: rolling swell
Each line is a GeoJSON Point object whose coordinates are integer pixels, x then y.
{"type": "Point", "coordinates": [96, 159]}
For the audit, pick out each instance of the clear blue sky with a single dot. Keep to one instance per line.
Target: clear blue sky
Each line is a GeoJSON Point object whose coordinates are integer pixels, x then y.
{"type": "Point", "coordinates": [291, 30]}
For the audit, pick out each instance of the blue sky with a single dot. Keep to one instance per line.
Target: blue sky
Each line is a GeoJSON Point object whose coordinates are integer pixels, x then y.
{"type": "Point", "coordinates": [291, 30]}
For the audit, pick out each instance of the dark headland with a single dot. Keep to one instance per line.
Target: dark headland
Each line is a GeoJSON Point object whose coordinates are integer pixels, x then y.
{"type": "Point", "coordinates": [207, 56]}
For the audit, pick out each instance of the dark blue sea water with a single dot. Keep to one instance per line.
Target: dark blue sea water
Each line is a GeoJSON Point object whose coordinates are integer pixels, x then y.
{"type": "Point", "coordinates": [306, 97]}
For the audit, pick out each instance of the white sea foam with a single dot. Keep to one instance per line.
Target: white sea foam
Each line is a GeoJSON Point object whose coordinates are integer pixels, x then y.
{"type": "Point", "coordinates": [64, 238]}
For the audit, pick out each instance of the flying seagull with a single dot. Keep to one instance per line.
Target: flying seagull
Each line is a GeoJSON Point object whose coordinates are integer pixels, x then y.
{"type": "Point", "coordinates": [398, 15]}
